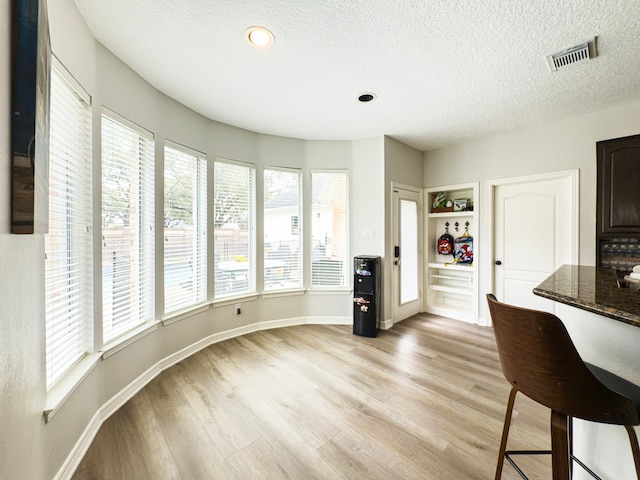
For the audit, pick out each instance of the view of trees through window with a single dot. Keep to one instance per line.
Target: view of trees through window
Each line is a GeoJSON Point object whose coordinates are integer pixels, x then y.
{"type": "Point", "coordinates": [185, 221]}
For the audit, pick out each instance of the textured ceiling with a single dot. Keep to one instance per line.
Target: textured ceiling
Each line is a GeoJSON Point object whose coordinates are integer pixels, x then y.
{"type": "Point", "coordinates": [443, 70]}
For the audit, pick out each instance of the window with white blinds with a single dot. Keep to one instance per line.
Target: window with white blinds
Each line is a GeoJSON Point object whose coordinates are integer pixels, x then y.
{"type": "Point", "coordinates": [68, 277]}
{"type": "Point", "coordinates": [282, 233]}
{"type": "Point", "coordinates": [185, 226]}
{"type": "Point", "coordinates": [329, 228]}
{"type": "Point", "coordinates": [127, 227]}
{"type": "Point", "coordinates": [234, 228]}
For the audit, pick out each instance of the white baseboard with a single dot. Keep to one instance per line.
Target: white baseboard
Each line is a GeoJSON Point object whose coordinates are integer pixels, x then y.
{"type": "Point", "coordinates": [113, 405]}
{"type": "Point", "coordinates": [329, 320]}
{"type": "Point", "coordinates": [386, 324]}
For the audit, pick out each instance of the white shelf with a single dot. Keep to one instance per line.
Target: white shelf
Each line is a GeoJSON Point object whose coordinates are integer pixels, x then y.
{"type": "Point", "coordinates": [444, 277]}
{"type": "Point", "coordinates": [462, 267]}
{"type": "Point", "coordinates": [450, 214]}
{"type": "Point", "coordinates": [452, 288]}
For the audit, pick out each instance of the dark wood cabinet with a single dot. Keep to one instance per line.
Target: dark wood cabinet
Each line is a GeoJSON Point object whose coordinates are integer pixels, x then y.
{"type": "Point", "coordinates": [618, 203]}
{"type": "Point", "coordinates": [619, 185]}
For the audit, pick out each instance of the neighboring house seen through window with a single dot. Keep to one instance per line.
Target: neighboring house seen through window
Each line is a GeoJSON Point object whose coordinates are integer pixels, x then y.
{"type": "Point", "coordinates": [282, 238]}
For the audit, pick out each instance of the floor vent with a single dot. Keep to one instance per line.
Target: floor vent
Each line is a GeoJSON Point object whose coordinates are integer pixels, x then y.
{"type": "Point", "coordinates": [578, 53]}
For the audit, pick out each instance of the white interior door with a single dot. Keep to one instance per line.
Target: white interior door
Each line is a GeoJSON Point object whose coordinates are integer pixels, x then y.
{"type": "Point", "coordinates": [535, 232]}
{"type": "Point", "coordinates": [407, 262]}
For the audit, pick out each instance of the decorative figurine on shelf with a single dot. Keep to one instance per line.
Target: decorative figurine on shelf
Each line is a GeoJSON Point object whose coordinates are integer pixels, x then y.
{"type": "Point", "coordinates": [439, 200]}
{"type": "Point", "coordinates": [440, 203]}
{"type": "Point", "coordinates": [445, 242]}
{"type": "Point", "coordinates": [464, 247]}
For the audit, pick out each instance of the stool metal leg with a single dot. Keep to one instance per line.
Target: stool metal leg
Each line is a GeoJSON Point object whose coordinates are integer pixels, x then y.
{"type": "Point", "coordinates": [505, 432]}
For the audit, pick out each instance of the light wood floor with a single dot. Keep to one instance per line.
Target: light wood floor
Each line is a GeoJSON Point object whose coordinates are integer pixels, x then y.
{"type": "Point", "coordinates": [424, 400]}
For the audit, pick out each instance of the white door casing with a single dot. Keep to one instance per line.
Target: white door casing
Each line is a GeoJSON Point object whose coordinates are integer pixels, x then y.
{"type": "Point", "coordinates": [407, 267]}
{"type": "Point", "coordinates": [535, 231]}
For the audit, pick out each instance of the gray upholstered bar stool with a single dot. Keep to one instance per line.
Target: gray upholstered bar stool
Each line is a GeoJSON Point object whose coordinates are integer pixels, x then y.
{"type": "Point", "coordinates": [539, 359]}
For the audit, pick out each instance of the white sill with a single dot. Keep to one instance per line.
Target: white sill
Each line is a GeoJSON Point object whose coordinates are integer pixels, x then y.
{"type": "Point", "coordinates": [68, 383]}
{"type": "Point", "coordinates": [223, 302]}
{"type": "Point", "coordinates": [283, 293]}
{"type": "Point", "coordinates": [181, 315]}
{"type": "Point", "coordinates": [128, 338]}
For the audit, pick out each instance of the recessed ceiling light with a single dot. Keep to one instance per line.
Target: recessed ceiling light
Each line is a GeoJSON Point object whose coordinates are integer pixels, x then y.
{"type": "Point", "coordinates": [366, 97]}
{"type": "Point", "coordinates": [259, 37]}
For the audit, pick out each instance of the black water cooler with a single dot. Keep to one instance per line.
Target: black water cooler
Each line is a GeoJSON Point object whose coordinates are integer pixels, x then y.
{"type": "Point", "coordinates": [366, 295]}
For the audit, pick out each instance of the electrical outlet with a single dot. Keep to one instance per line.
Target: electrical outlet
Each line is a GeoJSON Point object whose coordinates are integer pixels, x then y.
{"type": "Point", "coordinates": [238, 308]}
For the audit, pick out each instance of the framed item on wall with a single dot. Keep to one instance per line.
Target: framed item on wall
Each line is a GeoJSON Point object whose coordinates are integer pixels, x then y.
{"type": "Point", "coordinates": [460, 204]}
{"type": "Point", "coordinates": [30, 91]}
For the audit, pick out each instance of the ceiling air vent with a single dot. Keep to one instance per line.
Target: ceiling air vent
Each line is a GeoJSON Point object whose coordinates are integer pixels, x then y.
{"type": "Point", "coordinates": [578, 53]}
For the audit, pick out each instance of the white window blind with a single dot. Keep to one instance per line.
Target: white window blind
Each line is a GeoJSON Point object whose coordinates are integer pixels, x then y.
{"type": "Point", "coordinates": [329, 229]}
{"type": "Point", "coordinates": [68, 278]}
{"type": "Point", "coordinates": [282, 234]}
{"type": "Point", "coordinates": [234, 228]}
{"type": "Point", "coordinates": [185, 222]}
{"type": "Point", "coordinates": [127, 220]}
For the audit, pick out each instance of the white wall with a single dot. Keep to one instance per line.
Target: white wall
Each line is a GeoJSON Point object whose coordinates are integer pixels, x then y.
{"type": "Point", "coordinates": [367, 197]}
{"type": "Point", "coordinates": [21, 311]}
{"type": "Point", "coordinates": [402, 165]}
{"type": "Point", "coordinates": [562, 145]}
{"type": "Point", "coordinates": [367, 209]}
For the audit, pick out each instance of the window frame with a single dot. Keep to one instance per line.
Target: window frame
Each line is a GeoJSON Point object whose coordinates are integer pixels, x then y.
{"type": "Point", "coordinates": [144, 232]}
{"type": "Point", "coordinates": [289, 227]}
{"type": "Point", "coordinates": [251, 237]}
{"type": "Point", "coordinates": [200, 240]}
{"type": "Point", "coordinates": [345, 266]}
{"type": "Point", "coordinates": [70, 220]}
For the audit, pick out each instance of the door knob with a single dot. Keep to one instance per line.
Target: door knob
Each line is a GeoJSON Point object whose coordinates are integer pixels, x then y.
{"type": "Point", "coordinates": [498, 262]}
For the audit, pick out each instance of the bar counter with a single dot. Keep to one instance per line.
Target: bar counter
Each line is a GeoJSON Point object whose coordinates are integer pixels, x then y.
{"type": "Point", "coordinates": [601, 319]}
{"type": "Point", "coordinates": [593, 289]}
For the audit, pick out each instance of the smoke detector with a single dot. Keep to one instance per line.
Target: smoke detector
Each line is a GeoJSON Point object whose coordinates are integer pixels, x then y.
{"type": "Point", "coordinates": [575, 54]}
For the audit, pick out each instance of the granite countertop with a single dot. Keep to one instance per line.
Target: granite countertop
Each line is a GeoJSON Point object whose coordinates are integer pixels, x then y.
{"type": "Point", "coordinates": [594, 289]}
